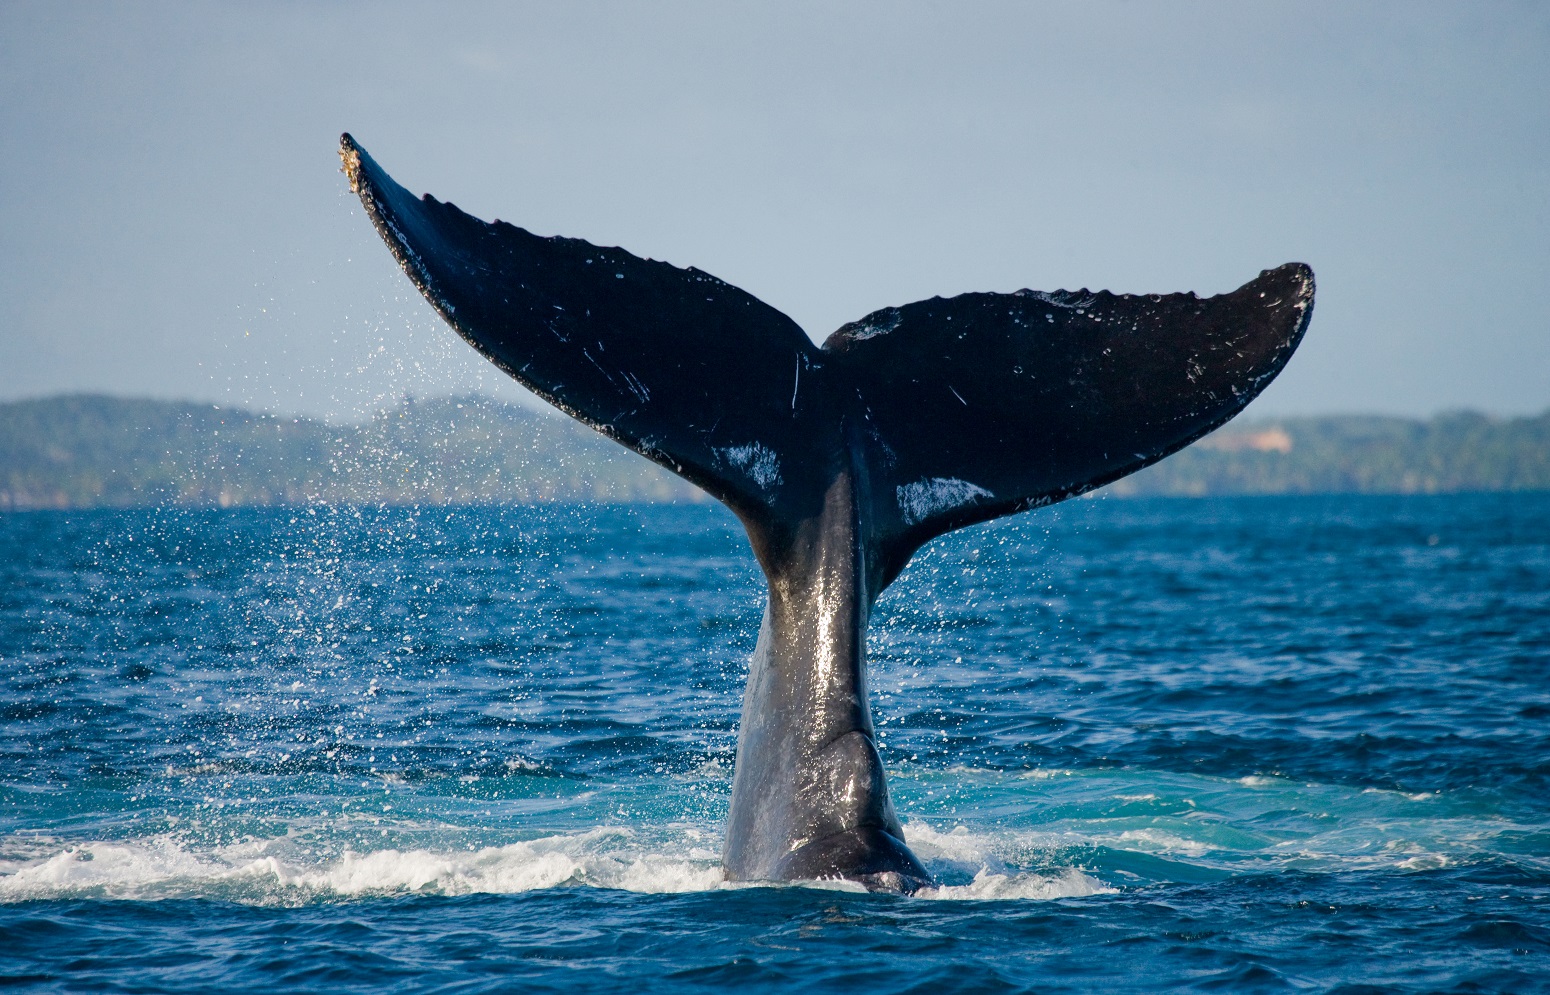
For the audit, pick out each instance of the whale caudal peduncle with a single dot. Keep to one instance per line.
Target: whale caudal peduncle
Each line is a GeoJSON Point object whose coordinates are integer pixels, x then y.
{"type": "Point", "coordinates": [809, 799]}
{"type": "Point", "coordinates": [839, 460]}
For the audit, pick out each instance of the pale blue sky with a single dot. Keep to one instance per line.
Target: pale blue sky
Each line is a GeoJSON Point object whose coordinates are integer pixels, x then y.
{"type": "Point", "coordinates": [172, 222]}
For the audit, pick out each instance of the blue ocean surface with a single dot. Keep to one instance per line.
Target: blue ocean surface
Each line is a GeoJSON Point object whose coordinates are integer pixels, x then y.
{"type": "Point", "coordinates": [1258, 744]}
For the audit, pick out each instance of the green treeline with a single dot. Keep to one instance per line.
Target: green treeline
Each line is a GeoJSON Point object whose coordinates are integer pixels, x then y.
{"type": "Point", "coordinates": [1355, 454]}
{"type": "Point", "coordinates": [95, 451]}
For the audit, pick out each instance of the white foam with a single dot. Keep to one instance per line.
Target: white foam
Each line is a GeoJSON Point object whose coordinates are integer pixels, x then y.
{"type": "Point", "coordinates": [957, 845]}
{"type": "Point", "coordinates": [163, 868]}
{"type": "Point", "coordinates": [273, 872]}
{"type": "Point", "coordinates": [989, 886]}
{"type": "Point", "coordinates": [993, 880]}
{"type": "Point", "coordinates": [1044, 774]}
{"type": "Point", "coordinates": [1156, 840]}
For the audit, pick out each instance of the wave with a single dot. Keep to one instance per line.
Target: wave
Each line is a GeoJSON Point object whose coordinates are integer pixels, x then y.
{"type": "Point", "coordinates": [162, 868]}
{"type": "Point", "coordinates": [1058, 834]}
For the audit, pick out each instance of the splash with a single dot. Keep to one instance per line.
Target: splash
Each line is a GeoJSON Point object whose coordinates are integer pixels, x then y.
{"type": "Point", "coordinates": [267, 873]}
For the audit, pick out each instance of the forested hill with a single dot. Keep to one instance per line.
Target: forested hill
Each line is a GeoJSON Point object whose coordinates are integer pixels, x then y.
{"type": "Point", "coordinates": [1355, 454]}
{"type": "Point", "coordinates": [91, 450]}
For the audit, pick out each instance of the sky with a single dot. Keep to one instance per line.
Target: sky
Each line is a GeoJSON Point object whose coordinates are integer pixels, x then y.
{"type": "Point", "coordinates": [173, 222]}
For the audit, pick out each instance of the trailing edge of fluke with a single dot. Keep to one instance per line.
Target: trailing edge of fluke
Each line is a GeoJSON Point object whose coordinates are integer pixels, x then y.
{"type": "Point", "coordinates": [842, 459]}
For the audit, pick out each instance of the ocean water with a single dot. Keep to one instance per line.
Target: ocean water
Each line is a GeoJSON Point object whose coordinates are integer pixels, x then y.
{"type": "Point", "coordinates": [1263, 744]}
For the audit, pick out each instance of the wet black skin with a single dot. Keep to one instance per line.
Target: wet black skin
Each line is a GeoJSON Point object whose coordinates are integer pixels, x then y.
{"type": "Point", "coordinates": [809, 799]}
{"type": "Point", "coordinates": [839, 460]}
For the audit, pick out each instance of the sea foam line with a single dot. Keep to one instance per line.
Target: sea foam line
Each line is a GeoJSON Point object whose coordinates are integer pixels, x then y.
{"type": "Point", "coordinates": [160, 868]}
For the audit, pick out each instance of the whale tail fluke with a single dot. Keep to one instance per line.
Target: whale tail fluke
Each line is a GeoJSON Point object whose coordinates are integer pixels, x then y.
{"type": "Point", "coordinates": [966, 408]}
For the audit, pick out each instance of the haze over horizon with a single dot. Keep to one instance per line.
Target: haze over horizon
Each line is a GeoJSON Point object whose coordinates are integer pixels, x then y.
{"type": "Point", "coordinates": [176, 225]}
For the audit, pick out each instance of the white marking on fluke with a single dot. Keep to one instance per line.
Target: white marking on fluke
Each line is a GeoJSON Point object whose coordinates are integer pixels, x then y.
{"type": "Point", "coordinates": [880, 323]}
{"type": "Point", "coordinates": [755, 459]}
{"type": "Point", "coordinates": [924, 498]}
{"type": "Point", "coordinates": [1071, 300]}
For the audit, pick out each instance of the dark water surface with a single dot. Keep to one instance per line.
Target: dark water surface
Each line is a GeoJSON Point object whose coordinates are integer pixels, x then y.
{"type": "Point", "coordinates": [1270, 744]}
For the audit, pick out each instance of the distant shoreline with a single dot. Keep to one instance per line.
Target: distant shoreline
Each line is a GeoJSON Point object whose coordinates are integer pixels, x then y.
{"type": "Point", "coordinates": [95, 451]}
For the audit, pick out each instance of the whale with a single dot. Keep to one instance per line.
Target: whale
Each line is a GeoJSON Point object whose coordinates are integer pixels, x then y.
{"type": "Point", "coordinates": [840, 460]}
